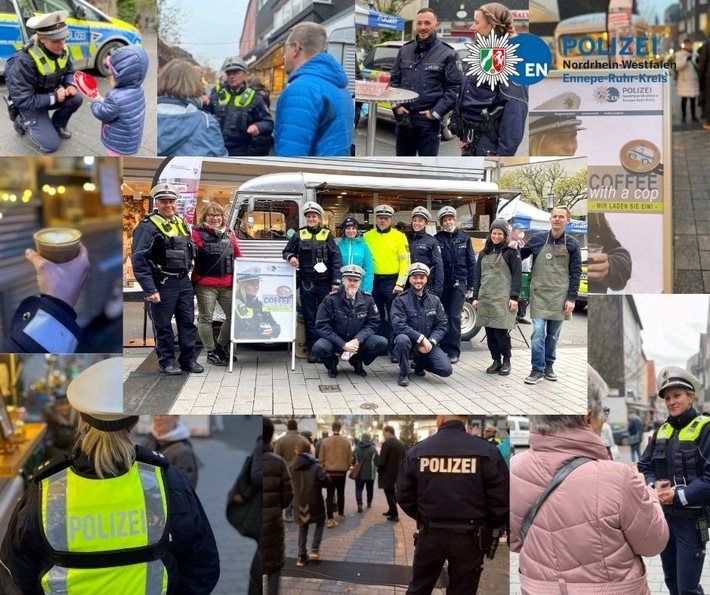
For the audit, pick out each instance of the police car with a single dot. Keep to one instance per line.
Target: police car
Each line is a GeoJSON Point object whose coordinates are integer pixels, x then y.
{"type": "Point", "coordinates": [581, 302]}
{"type": "Point", "coordinates": [93, 35]}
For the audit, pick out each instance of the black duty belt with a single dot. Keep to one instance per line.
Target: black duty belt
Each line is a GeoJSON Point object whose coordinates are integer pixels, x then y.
{"type": "Point", "coordinates": [684, 513]}
{"type": "Point", "coordinates": [166, 274]}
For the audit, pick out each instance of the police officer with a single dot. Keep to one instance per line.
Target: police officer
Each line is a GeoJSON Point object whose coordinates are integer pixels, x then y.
{"type": "Point", "coordinates": [419, 324]}
{"type": "Point", "coordinates": [429, 67]}
{"type": "Point", "coordinates": [240, 110]}
{"type": "Point", "coordinates": [491, 121]}
{"type": "Point", "coordinates": [490, 435]}
{"type": "Point", "coordinates": [161, 254]}
{"type": "Point", "coordinates": [40, 77]}
{"type": "Point", "coordinates": [112, 513]}
{"type": "Point", "coordinates": [347, 321]}
{"type": "Point", "coordinates": [459, 267]}
{"type": "Point", "coordinates": [251, 321]}
{"type": "Point", "coordinates": [677, 463]}
{"type": "Point", "coordinates": [390, 254]}
{"type": "Point", "coordinates": [425, 248]}
{"type": "Point", "coordinates": [457, 488]}
{"type": "Point", "coordinates": [314, 252]}
{"type": "Point", "coordinates": [556, 134]}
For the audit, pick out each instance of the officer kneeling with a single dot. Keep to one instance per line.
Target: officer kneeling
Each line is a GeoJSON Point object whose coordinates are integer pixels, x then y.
{"type": "Point", "coordinates": [419, 323]}
{"type": "Point", "coordinates": [112, 513]}
{"type": "Point", "coordinates": [677, 463]}
{"type": "Point", "coordinates": [40, 77]}
{"type": "Point", "coordinates": [457, 487]}
{"type": "Point", "coordinates": [346, 322]}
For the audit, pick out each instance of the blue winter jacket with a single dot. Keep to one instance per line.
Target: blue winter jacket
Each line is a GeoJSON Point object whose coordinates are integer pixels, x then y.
{"type": "Point", "coordinates": [356, 251]}
{"type": "Point", "coordinates": [123, 109]}
{"type": "Point", "coordinates": [184, 129]}
{"type": "Point", "coordinates": [315, 113]}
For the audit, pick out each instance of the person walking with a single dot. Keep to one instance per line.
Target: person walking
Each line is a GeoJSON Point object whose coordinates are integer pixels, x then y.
{"type": "Point", "coordinates": [429, 67]}
{"type": "Point", "coordinates": [390, 255]}
{"type": "Point", "coordinates": [388, 463]}
{"type": "Point", "coordinates": [309, 479]}
{"type": "Point", "coordinates": [419, 324]}
{"type": "Point", "coordinates": [364, 455]}
{"type": "Point", "coordinates": [285, 448]}
{"type": "Point", "coordinates": [554, 285]}
{"type": "Point", "coordinates": [704, 79]}
{"type": "Point", "coordinates": [603, 505]}
{"type": "Point", "coordinates": [688, 85]}
{"type": "Point", "coordinates": [170, 437]}
{"type": "Point", "coordinates": [459, 262]}
{"type": "Point", "coordinates": [161, 254]}
{"type": "Point", "coordinates": [354, 250]}
{"type": "Point", "coordinates": [315, 112]}
{"type": "Point", "coordinates": [336, 456]}
{"type": "Point", "coordinates": [496, 288]}
{"type": "Point", "coordinates": [212, 277]}
{"type": "Point", "coordinates": [491, 121]}
{"type": "Point", "coordinates": [635, 430]}
{"type": "Point", "coordinates": [677, 463]}
{"type": "Point", "coordinates": [40, 78]}
{"type": "Point", "coordinates": [52, 544]}
{"type": "Point", "coordinates": [313, 251]}
{"type": "Point", "coordinates": [456, 487]}
{"type": "Point", "coordinates": [241, 111]}
{"type": "Point", "coordinates": [346, 322]}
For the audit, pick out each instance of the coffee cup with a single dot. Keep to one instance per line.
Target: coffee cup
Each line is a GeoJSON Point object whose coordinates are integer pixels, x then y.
{"type": "Point", "coordinates": [594, 250]}
{"type": "Point", "coordinates": [58, 244]}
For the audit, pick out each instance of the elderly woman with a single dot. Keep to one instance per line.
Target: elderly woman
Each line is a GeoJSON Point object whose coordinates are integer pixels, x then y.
{"type": "Point", "coordinates": [216, 248]}
{"type": "Point", "coordinates": [677, 463]}
{"type": "Point", "coordinates": [183, 127]}
{"type": "Point", "coordinates": [590, 533]}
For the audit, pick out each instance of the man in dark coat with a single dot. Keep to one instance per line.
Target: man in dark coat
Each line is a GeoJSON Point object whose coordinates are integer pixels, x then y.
{"type": "Point", "coordinates": [388, 463]}
{"type": "Point", "coordinates": [309, 479]}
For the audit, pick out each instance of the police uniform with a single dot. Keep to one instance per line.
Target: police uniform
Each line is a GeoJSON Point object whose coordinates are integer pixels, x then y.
{"type": "Point", "coordinates": [390, 256]}
{"type": "Point", "coordinates": [237, 109]}
{"type": "Point", "coordinates": [425, 248]}
{"type": "Point", "coordinates": [457, 488]}
{"type": "Point", "coordinates": [415, 318]}
{"type": "Point", "coordinates": [555, 123]}
{"type": "Point", "coordinates": [319, 265]}
{"type": "Point", "coordinates": [161, 254]}
{"type": "Point", "coordinates": [459, 262]}
{"type": "Point", "coordinates": [251, 321]}
{"type": "Point", "coordinates": [33, 76]}
{"type": "Point", "coordinates": [490, 122]}
{"type": "Point", "coordinates": [141, 531]}
{"type": "Point", "coordinates": [341, 319]}
{"type": "Point", "coordinates": [430, 69]}
{"type": "Point", "coordinates": [679, 451]}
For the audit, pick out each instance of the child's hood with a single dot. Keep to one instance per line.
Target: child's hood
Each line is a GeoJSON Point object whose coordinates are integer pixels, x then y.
{"type": "Point", "coordinates": [129, 66]}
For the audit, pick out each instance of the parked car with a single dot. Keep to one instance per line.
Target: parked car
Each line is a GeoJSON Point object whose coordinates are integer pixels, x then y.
{"type": "Point", "coordinates": [519, 430]}
{"type": "Point", "coordinates": [621, 434]}
{"type": "Point", "coordinates": [93, 35]}
{"type": "Point", "coordinates": [581, 302]}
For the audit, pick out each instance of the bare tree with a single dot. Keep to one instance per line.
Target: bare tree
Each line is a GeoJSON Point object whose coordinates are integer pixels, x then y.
{"type": "Point", "coordinates": [537, 180]}
{"type": "Point", "coordinates": [171, 20]}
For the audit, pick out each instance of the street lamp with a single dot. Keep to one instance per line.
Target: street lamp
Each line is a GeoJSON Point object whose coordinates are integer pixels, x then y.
{"type": "Point", "coordinates": [550, 201]}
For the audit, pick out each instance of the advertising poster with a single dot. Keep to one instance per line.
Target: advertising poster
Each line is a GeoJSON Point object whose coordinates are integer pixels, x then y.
{"type": "Point", "coordinates": [184, 172]}
{"type": "Point", "coordinates": [263, 301]}
{"type": "Point", "coordinates": [615, 119]}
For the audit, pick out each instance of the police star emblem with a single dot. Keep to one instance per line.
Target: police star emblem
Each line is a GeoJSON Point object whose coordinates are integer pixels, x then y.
{"type": "Point", "coordinates": [492, 59]}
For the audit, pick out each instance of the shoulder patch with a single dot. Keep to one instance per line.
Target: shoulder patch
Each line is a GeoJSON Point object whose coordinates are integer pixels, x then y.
{"type": "Point", "coordinates": [50, 467]}
{"type": "Point", "coordinates": [146, 455]}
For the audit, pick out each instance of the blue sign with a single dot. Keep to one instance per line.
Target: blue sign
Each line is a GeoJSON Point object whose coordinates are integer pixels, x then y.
{"type": "Point", "coordinates": [576, 226]}
{"type": "Point", "coordinates": [378, 20]}
{"type": "Point", "coordinates": [537, 59]}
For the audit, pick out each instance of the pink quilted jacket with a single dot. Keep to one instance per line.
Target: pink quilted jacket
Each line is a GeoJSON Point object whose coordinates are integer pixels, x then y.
{"type": "Point", "coordinates": [590, 534]}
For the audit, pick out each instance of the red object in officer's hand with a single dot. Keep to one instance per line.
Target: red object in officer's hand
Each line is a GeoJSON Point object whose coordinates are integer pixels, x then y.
{"type": "Point", "coordinates": [86, 84]}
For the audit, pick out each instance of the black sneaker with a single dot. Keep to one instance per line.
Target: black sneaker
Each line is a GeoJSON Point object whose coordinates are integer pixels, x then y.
{"type": "Point", "coordinates": [333, 372]}
{"type": "Point", "coordinates": [18, 126]}
{"type": "Point", "coordinates": [216, 359]}
{"type": "Point", "coordinates": [312, 359]}
{"type": "Point", "coordinates": [494, 368]}
{"type": "Point", "coordinates": [170, 370]}
{"type": "Point", "coordinates": [550, 374]}
{"type": "Point", "coordinates": [192, 367]}
{"type": "Point", "coordinates": [356, 363]}
{"type": "Point", "coordinates": [522, 320]}
{"type": "Point", "coordinates": [224, 352]}
{"type": "Point", "coordinates": [504, 369]}
{"type": "Point", "coordinates": [394, 358]}
{"type": "Point", "coordinates": [418, 372]}
{"type": "Point", "coordinates": [63, 133]}
{"type": "Point", "coordinates": [403, 380]}
{"type": "Point", "coordinates": [534, 377]}
{"type": "Point", "coordinates": [359, 507]}
{"type": "Point", "coordinates": [454, 359]}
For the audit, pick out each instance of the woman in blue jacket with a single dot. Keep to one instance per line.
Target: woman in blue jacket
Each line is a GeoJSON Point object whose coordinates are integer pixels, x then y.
{"type": "Point", "coordinates": [354, 250]}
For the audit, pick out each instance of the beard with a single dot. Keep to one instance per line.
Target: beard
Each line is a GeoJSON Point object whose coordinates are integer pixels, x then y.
{"type": "Point", "coordinates": [351, 292]}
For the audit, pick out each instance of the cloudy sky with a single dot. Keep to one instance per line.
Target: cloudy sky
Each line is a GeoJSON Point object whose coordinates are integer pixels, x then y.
{"type": "Point", "coordinates": [672, 325]}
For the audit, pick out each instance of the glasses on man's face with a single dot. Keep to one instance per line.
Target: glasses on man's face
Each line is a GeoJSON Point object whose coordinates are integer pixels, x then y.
{"type": "Point", "coordinates": [285, 45]}
{"type": "Point", "coordinates": [605, 413]}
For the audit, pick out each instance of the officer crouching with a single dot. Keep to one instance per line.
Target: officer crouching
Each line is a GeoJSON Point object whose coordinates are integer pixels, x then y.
{"type": "Point", "coordinates": [40, 77]}
{"type": "Point", "coordinates": [457, 488]}
{"type": "Point", "coordinates": [677, 462]}
{"type": "Point", "coordinates": [161, 254]}
{"type": "Point", "coordinates": [346, 322]}
{"type": "Point", "coordinates": [419, 323]}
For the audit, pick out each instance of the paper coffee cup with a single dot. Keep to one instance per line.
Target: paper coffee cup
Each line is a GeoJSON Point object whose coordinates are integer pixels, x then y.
{"type": "Point", "coordinates": [58, 244]}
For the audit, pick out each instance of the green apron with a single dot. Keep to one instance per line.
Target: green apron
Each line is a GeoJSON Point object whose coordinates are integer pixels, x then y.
{"type": "Point", "coordinates": [550, 282]}
{"type": "Point", "coordinates": [494, 294]}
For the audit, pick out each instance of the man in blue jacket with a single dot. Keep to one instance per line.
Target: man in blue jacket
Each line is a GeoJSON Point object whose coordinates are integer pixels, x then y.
{"type": "Point", "coordinates": [419, 324]}
{"type": "Point", "coordinates": [315, 113]}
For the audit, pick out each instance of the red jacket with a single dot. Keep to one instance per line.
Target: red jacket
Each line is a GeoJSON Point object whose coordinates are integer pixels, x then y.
{"type": "Point", "coordinates": [209, 280]}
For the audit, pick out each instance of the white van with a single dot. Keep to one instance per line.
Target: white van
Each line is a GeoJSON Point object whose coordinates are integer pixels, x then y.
{"type": "Point", "coordinates": [519, 430]}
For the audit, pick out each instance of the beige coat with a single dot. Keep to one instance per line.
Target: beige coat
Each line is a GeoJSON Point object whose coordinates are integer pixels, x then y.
{"type": "Point", "coordinates": [335, 453]}
{"type": "Point", "coordinates": [688, 85]}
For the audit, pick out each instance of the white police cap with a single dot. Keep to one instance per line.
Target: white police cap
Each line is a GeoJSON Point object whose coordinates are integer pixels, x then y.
{"type": "Point", "coordinates": [353, 271]}
{"type": "Point", "coordinates": [675, 376]}
{"type": "Point", "coordinates": [52, 26]}
{"type": "Point", "coordinates": [384, 211]}
{"type": "Point", "coordinates": [421, 212]}
{"type": "Point", "coordinates": [557, 123]}
{"type": "Point", "coordinates": [418, 268]}
{"type": "Point", "coordinates": [165, 192]}
{"type": "Point", "coordinates": [97, 394]}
